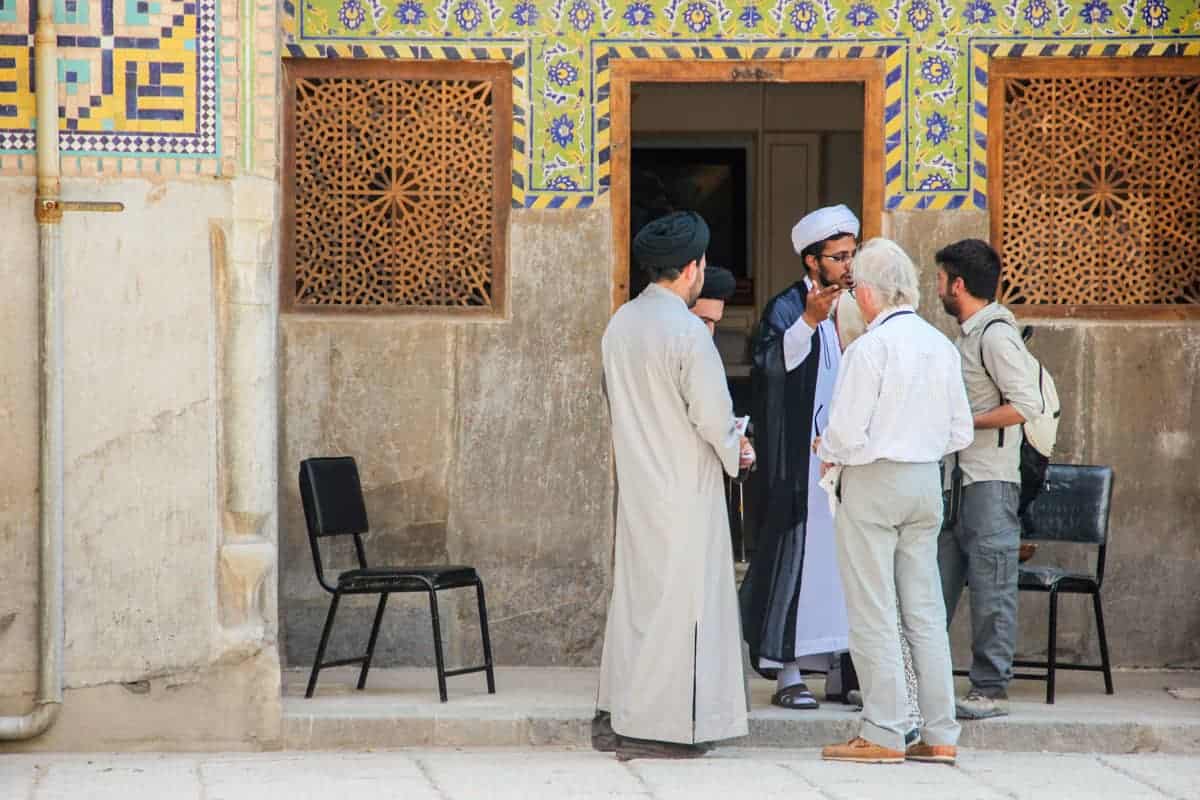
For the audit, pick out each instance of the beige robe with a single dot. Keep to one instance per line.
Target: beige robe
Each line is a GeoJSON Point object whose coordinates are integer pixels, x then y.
{"type": "Point", "coordinates": [671, 668]}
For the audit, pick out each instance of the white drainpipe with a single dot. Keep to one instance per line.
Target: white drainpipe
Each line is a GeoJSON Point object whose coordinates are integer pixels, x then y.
{"type": "Point", "coordinates": [48, 209]}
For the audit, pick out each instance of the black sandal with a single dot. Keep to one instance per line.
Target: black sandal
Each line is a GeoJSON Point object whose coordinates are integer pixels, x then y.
{"type": "Point", "coordinates": [797, 696]}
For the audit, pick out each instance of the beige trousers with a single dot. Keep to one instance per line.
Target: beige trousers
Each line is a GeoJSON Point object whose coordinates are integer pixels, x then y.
{"type": "Point", "coordinates": [887, 531]}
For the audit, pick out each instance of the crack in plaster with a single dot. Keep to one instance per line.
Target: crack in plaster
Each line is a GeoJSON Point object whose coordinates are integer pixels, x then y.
{"type": "Point", "coordinates": [157, 425]}
{"type": "Point", "coordinates": [536, 611]}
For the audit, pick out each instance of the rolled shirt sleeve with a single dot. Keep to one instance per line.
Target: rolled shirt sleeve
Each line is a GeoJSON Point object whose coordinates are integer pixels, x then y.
{"type": "Point", "coordinates": [1011, 368]}
{"type": "Point", "coordinates": [706, 393]}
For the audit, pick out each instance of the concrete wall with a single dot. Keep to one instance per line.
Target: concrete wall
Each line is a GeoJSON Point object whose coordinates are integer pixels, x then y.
{"type": "Point", "coordinates": [1130, 401]}
{"type": "Point", "coordinates": [148, 661]}
{"type": "Point", "coordinates": [486, 443]}
{"type": "Point", "coordinates": [478, 442]}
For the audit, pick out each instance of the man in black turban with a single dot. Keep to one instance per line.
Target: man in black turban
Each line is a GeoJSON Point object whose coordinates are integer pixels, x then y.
{"type": "Point", "coordinates": [671, 670]}
{"type": "Point", "coordinates": [672, 247]}
{"type": "Point", "coordinates": [719, 285]}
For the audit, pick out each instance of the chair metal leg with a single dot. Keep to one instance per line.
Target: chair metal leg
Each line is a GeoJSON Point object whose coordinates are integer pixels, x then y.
{"type": "Point", "coordinates": [312, 678]}
{"type": "Point", "coordinates": [362, 675]}
{"type": "Point", "coordinates": [487, 640]}
{"type": "Point", "coordinates": [437, 644]}
{"type": "Point", "coordinates": [1052, 647]}
{"type": "Point", "coordinates": [1108, 681]}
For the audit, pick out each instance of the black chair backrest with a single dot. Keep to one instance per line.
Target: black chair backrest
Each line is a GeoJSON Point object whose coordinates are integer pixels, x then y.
{"type": "Point", "coordinates": [333, 505]}
{"type": "Point", "coordinates": [1074, 507]}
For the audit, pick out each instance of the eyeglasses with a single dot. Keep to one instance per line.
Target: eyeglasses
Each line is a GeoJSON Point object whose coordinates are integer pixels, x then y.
{"type": "Point", "coordinates": [841, 258]}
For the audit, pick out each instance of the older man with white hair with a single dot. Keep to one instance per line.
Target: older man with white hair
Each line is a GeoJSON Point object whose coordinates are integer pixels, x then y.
{"type": "Point", "coordinates": [899, 407]}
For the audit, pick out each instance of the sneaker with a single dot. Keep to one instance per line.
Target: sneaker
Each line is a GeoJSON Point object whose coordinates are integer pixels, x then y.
{"type": "Point", "coordinates": [604, 738]}
{"type": "Point", "coordinates": [977, 705]}
{"type": "Point", "coordinates": [860, 751]}
{"type": "Point", "coordinates": [931, 753]}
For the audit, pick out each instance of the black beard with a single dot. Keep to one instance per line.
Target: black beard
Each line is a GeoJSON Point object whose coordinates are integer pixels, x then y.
{"type": "Point", "coordinates": [823, 281]}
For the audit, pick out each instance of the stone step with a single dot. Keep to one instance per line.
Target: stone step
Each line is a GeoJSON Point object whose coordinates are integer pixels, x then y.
{"type": "Point", "coordinates": [553, 708]}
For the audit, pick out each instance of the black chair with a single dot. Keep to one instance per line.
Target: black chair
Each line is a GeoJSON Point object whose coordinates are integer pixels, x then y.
{"type": "Point", "coordinates": [333, 506]}
{"type": "Point", "coordinates": [1073, 508]}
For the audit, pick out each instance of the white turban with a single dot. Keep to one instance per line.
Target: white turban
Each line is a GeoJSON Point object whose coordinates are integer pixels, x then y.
{"type": "Point", "coordinates": [822, 224]}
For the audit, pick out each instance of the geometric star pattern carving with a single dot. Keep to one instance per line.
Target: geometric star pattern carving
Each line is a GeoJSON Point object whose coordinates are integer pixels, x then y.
{"type": "Point", "coordinates": [393, 192]}
{"type": "Point", "coordinates": [1101, 190]}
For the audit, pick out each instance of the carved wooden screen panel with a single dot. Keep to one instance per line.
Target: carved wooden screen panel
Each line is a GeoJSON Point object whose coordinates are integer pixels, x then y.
{"type": "Point", "coordinates": [397, 185]}
{"type": "Point", "coordinates": [1095, 189]}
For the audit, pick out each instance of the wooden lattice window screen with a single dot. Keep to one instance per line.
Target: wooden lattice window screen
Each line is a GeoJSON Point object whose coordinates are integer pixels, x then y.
{"type": "Point", "coordinates": [397, 185]}
{"type": "Point", "coordinates": [1095, 185]}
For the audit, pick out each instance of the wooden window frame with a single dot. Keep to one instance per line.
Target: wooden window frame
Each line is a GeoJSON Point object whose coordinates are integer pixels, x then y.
{"type": "Point", "coordinates": [1000, 70]}
{"type": "Point", "coordinates": [499, 73]}
{"type": "Point", "coordinates": [627, 71]}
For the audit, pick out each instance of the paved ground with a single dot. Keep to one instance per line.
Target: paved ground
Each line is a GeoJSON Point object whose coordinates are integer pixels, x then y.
{"type": "Point", "coordinates": [552, 707]}
{"type": "Point", "coordinates": [482, 774]}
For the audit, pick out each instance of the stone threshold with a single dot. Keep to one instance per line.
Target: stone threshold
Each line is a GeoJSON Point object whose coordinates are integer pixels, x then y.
{"type": "Point", "coordinates": [553, 707]}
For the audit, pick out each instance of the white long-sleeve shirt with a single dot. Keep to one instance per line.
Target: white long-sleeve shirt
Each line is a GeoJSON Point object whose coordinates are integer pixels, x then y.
{"type": "Point", "coordinates": [899, 396]}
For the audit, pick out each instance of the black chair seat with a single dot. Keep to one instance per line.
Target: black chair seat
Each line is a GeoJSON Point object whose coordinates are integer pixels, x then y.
{"type": "Point", "coordinates": [332, 495]}
{"type": "Point", "coordinates": [1047, 578]}
{"type": "Point", "coordinates": [401, 578]}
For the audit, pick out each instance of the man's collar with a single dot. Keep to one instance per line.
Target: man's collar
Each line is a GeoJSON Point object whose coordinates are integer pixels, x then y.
{"type": "Point", "coordinates": [660, 289]}
{"type": "Point", "coordinates": [887, 312]}
{"type": "Point", "coordinates": [978, 318]}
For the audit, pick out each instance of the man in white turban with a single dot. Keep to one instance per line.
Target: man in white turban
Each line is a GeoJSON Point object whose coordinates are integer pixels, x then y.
{"type": "Point", "coordinates": [793, 609]}
{"type": "Point", "coordinates": [809, 237]}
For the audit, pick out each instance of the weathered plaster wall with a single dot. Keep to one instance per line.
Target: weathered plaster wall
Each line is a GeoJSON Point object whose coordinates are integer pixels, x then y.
{"type": "Point", "coordinates": [143, 522]}
{"type": "Point", "coordinates": [478, 442]}
{"type": "Point", "coordinates": [1129, 395]}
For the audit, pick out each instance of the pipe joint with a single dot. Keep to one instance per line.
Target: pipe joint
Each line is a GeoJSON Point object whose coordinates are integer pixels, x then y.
{"type": "Point", "coordinates": [48, 212]}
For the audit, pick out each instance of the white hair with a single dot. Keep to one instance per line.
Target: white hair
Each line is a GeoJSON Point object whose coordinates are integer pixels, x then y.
{"type": "Point", "coordinates": [884, 266]}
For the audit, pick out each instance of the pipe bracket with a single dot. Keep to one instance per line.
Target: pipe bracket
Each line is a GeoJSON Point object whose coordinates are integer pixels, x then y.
{"type": "Point", "coordinates": [91, 205]}
{"type": "Point", "coordinates": [51, 211]}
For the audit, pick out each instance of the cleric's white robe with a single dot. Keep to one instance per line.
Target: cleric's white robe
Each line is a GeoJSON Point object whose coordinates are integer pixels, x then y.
{"type": "Point", "coordinates": [822, 630]}
{"type": "Point", "coordinates": [671, 669]}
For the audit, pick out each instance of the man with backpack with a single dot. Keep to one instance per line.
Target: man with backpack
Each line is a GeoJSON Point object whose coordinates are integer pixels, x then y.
{"type": "Point", "coordinates": [980, 541]}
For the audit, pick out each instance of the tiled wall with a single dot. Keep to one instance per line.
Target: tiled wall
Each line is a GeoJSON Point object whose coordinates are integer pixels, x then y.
{"type": "Point", "coordinates": [937, 54]}
{"type": "Point", "coordinates": [146, 87]}
{"type": "Point", "coordinates": [188, 87]}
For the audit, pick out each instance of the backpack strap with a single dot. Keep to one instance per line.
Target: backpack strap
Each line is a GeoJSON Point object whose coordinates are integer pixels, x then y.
{"type": "Point", "coordinates": [983, 363]}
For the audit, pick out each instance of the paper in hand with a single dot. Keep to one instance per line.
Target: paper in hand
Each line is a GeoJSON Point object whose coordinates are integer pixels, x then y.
{"type": "Point", "coordinates": [829, 482]}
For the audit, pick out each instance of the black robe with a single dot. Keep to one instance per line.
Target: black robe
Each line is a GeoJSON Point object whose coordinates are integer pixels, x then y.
{"type": "Point", "coordinates": [782, 415]}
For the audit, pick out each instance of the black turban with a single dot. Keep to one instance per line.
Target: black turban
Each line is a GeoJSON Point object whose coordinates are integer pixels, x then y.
{"type": "Point", "coordinates": [671, 242]}
{"type": "Point", "coordinates": [719, 284]}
